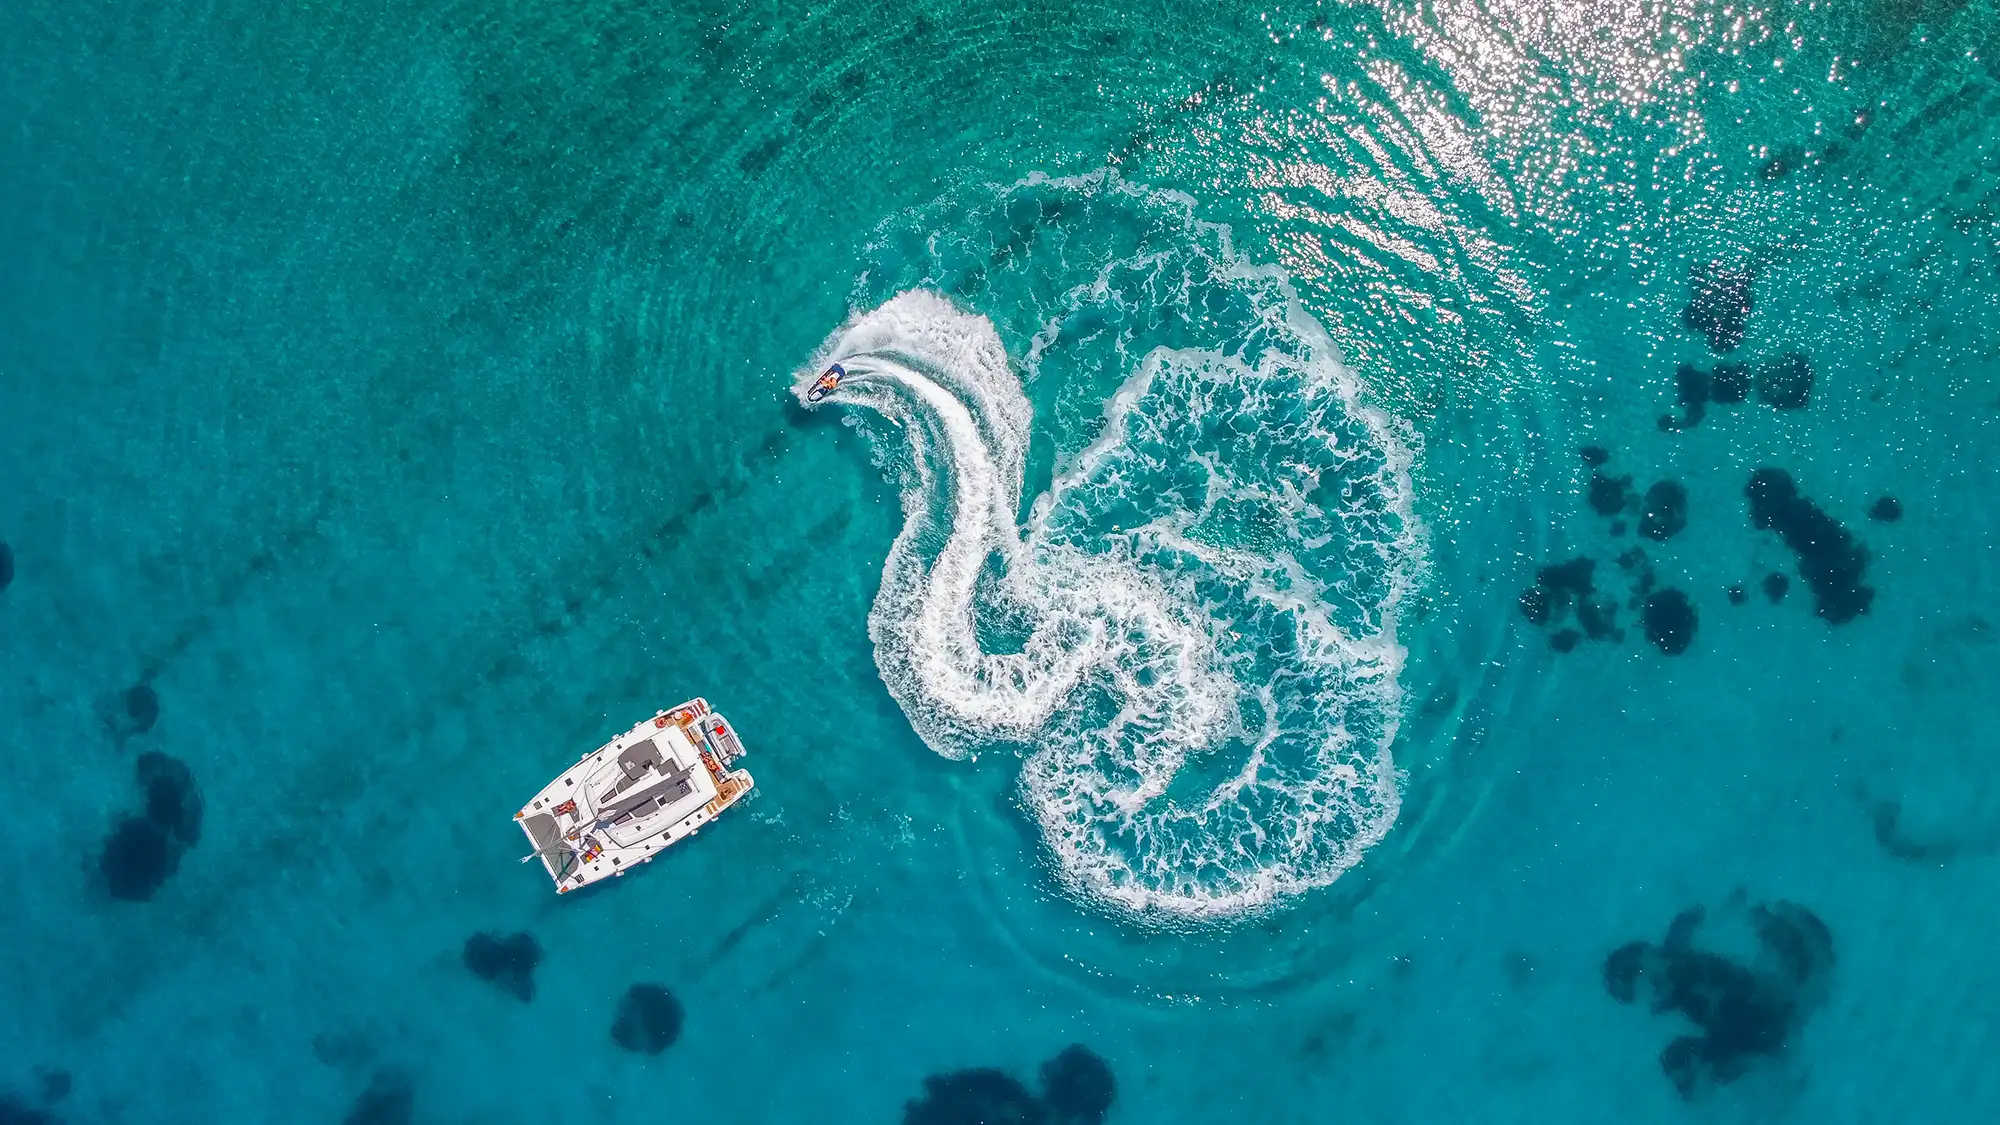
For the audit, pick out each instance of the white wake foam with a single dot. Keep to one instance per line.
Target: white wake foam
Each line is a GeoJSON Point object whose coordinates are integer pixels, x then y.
{"type": "Point", "coordinates": [1202, 670]}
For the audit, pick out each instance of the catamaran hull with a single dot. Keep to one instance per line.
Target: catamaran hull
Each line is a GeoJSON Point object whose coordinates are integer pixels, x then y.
{"type": "Point", "coordinates": [644, 791]}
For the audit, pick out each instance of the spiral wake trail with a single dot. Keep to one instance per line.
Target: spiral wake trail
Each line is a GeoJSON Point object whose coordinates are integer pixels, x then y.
{"type": "Point", "coordinates": [1192, 636]}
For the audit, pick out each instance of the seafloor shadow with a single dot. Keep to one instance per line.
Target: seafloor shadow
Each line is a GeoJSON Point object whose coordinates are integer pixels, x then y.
{"type": "Point", "coordinates": [1744, 1011]}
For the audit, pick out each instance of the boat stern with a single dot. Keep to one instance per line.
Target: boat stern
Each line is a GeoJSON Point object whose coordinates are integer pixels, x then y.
{"type": "Point", "coordinates": [546, 833]}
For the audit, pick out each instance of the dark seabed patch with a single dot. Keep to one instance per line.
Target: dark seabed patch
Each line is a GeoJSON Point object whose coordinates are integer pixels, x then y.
{"type": "Point", "coordinates": [1737, 594]}
{"type": "Point", "coordinates": [1664, 513]}
{"type": "Point", "coordinates": [1567, 593]}
{"type": "Point", "coordinates": [1718, 305]}
{"type": "Point", "coordinates": [505, 961]}
{"type": "Point", "coordinates": [984, 1096]}
{"type": "Point", "coordinates": [1744, 1012]}
{"type": "Point", "coordinates": [1610, 495]}
{"type": "Point", "coordinates": [1598, 614]}
{"type": "Point", "coordinates": [649, 1019]}
{"type": "Point", "coordinates": [6, 566]}
{"type": "Point", "coordinates": [14, 1111]}
{"type": "Point", "coordinates": [1694, 389]}
{"type": "Point", "coordinates": [1831, 560]}
{"type": "Point", "coordinates": [1077, 1089]}
{"type": "Point", "coordinates": [1670, 621]}
{"type": "Point", "coordinates": [1691, 394]}
{"type": "Point", "coordinates": [1691, 390]}
{"type": "Point", "coordinates": [1729, 383]}
{"type": "Point", "coordinates": [1077, 1086]}
{"type": "Point", "coordinates": [1562, 586]}
{"type": "Point", "coordinates": [142, 707]}
{"type": "Point", "coordinates": [1567, 580]}
{"type": "Point", "coordinates": [1775, 586]}
{"type": "Point", "coordinates": [55, 1083]}
{"type": "Point", "coordinates": [138, 860]}
{"type": "Point", "coordinates": [1895, 840]}
{"type": "Point", "coordinates": [144, 851]}
{"type": "Point", "coordinates": [1786, 382]}
{"type": "Point", "coordinates": [173, 803]}
{"type": "Point", "coordinates": [1556, 587]}
{"type": "Point", "coordinates": [388, 1100]}
{"type": "Point", "coordinates": [1887, 509]}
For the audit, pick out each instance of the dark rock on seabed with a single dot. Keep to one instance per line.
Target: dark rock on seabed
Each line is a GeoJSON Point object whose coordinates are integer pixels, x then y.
{"type": "Point", "coordinates": [137, 861]}
{"type": "Point", "coordinates": [1831, 560]}
{"type": "Point", "coordinates": [1718, 305]}
{"type": "Point", "coordinates": [144, 851]}
{"type": "Point", "coordinates": [1564, 581]}
{"type": "Point", "coordinates": [1077, 1086]}
{"type": "Point", "coordinates": [1729, 383]}
{"type": "Point", "coordinates": [1744, 1012]}
{"type": "Point", "coordinates": [1598, 614]}
{"type": "Point", "coordinates": [1691, 392]}
{"type": "Point", "coordinates": [1664, 512]}
{"type": "Point", "coordinates": [55, 1081]}
{"type": "Point", "coordinates": [142, 707]}
{"type": "Point", "coordinates": [1561, 584]}
{"type": "Point", "coordinates": [55, 1086]}
{"type": "Point", "coordinates": [1691, 389]}
{"type": "Point", "coordinates": [173, 803]}
{"type": "Point", "coordinates": [1786, 382]}
{"type": "Point", "coordinates": [1610, 495]}
{"type": "Point", "coordinates": [388, 1100]}
{"type": "Point", "coordinates": [649, 1019]}
{"type": "Point", "coordinates": [14, 1111]}
{"type": "Point", "coordinates": [505, 961]}
{"type": "Point", "coordinates": [1558, 588]}
{"type": "Point", "coordinates": [982, 1096]}
{"type": "Point", "coordinates": [1670, 621]}
{"type": "Point", "coordinates": [1896, 840]}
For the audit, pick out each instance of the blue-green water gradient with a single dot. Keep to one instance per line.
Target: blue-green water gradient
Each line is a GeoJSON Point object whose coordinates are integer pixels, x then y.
{"type": "Point", "coordinates": [404, 394]}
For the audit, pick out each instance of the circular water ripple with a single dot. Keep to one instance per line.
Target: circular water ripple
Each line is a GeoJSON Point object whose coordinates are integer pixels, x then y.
{"type": "Point", "coordinates": [1240, 519]}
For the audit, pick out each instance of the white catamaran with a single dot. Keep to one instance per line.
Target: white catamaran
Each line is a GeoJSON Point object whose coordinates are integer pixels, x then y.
{"type": "Point", "coordinates": [635, 796]}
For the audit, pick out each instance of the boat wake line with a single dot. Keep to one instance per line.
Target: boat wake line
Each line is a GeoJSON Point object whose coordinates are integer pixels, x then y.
{"type": "Point", "coordinates": [1192, 636]}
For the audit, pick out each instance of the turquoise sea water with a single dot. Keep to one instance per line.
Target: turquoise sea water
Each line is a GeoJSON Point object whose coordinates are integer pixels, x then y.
{"type": "Point", "coordinates": [396, 400]}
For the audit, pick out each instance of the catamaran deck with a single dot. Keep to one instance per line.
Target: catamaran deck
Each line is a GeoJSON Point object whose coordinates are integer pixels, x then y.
{"type": "Point", "coordinates": [635, 796]}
